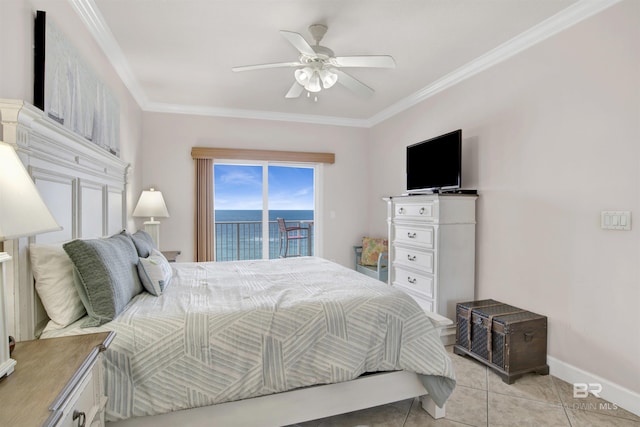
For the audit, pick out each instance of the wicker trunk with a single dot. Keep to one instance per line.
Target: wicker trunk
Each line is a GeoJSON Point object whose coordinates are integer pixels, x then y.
{"type": "Point", "coordinates": [507, 339]}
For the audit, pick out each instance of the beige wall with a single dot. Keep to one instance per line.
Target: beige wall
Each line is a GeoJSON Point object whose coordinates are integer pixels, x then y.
{"type": "Point", "coordinates": [168, 167]}
{"type": "Point", "coordinates": [551, 138]}
{"type": "Point", "coordinates": [16, 70]}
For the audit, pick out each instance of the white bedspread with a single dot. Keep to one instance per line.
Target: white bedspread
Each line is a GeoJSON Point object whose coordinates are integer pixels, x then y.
{"type": "Point", "coordinates": [232, 330]}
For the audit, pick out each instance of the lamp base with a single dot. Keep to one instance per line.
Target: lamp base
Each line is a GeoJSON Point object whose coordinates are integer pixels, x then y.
{"type": "Point", "coordinates": [153, 228]}
{"type": "Point", "coordinates": [6, 363]}
{"type": "Point", "coordinates": [7, 367]}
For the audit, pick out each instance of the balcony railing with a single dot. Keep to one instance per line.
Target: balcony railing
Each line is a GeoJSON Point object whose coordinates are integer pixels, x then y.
{"type": "Point", "coordinates": [242, 240]}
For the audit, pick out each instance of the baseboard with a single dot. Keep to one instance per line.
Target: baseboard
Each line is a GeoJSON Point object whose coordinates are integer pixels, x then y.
{"type": "Point", "coordinates": [614, 393]}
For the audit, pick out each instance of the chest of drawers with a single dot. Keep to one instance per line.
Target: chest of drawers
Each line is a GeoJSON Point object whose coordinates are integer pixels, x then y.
{"type": "Point", "coordinates": [432, 250]}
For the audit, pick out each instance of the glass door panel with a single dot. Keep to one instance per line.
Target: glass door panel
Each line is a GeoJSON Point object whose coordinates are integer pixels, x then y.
{"type": "Point", "coordinates": [291, 197]}
{"type": "Point", "coordinates": [238, 207]}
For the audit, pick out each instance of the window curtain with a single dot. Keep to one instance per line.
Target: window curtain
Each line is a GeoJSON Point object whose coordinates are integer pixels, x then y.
{"type": "Point", "coordinates": [204, 210]}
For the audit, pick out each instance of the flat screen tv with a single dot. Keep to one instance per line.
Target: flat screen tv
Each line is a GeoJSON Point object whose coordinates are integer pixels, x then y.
{"type": "Point", "coordinates": [435, 164]}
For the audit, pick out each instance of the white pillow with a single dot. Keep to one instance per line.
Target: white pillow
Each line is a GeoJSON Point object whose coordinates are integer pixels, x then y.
{"type": "Point", "coordinates": [155, 272]}
{"type": "Point", "coordinates": [53, 272]}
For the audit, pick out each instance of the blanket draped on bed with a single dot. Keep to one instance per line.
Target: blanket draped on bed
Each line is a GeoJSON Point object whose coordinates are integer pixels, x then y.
{"type": "Point", "coordinates": [233, 330]}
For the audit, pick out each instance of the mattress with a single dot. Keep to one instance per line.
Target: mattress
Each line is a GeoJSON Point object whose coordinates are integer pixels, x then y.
{"type": "Point", "coordinates": [234, 330]}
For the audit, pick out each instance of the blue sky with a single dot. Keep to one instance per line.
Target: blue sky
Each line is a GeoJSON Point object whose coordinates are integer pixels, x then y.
{"type": "Point", "coordinates": [240, 187]}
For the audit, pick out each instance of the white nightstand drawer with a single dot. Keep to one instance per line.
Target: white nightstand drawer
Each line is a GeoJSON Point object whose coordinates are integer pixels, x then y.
{"type": "Point", "coordinates": [414, 258]}
{"type": "Point", "coordinates": [422, 284]}
{"type": "Point", "coordinates": [422, 211]}
{"type": "Point", "coordinates": [423, 236]}
{"type": "Point", "coordinates": [83, 404]}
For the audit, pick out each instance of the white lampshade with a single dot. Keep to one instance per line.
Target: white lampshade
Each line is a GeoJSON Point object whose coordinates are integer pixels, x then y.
{"type": "Point", "coordinates": [22, 210]}
{"type": "Point", "coordinates": [151, 204]}
{"type": "Point", "coordinates": [22, 213]}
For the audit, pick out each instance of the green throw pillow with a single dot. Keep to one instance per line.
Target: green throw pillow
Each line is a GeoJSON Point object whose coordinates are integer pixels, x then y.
{"type": "Point", "coordinates": [106, 275]}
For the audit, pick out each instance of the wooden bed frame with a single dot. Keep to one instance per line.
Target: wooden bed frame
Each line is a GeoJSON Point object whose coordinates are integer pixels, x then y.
{"type": "Point", "coordinates": [77, 179]}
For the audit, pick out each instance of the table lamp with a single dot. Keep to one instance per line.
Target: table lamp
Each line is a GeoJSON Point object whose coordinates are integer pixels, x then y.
{"type": "Point", "coordinates": [22, 213]}
{"type": "Point", "coordinates": [151, 204]}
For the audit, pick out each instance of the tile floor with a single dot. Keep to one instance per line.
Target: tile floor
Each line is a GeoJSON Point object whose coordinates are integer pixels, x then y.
{"type": "Point", "coordinates": [482, 399]}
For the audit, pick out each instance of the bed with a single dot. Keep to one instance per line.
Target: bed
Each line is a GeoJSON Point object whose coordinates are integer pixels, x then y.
{"type": "Point", "coordinates": [247, 343]}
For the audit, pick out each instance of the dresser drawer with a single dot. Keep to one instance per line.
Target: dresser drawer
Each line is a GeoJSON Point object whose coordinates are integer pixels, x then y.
{"type": "Point", "coordinates": [415, 258]}
{"type": "Point", "coordinates": [423, 236]}
{"type": "Point", "coordinates": [423, 301]}
{"type": "Point", "coordinates": [420, 283]}
{"type": "Point", "coordinates": [421, 211]}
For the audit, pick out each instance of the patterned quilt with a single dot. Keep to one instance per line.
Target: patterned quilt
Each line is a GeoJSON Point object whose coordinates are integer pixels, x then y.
{"type": "Point", "coordinates": [233, 330]}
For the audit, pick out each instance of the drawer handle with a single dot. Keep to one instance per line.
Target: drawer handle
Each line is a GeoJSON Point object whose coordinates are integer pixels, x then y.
{"type": "Point", "coordinates": [411, 235]}
{"type": "Point", "coordinates": [400, 211]}
{"type": "Point", "coordinates": [421, 211]}
{"type": "Point", "coordinates": [410, 280]}
{"type": "Point", "coordinates": [81, 417]}
{"type": "Point", "coordinates": [411, 257]}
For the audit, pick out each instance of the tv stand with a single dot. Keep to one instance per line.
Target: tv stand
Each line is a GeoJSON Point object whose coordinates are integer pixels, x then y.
{"type": "Point", "coordinates": [438, 191]}
{"type": "Point", "coordinates": [459, 191]}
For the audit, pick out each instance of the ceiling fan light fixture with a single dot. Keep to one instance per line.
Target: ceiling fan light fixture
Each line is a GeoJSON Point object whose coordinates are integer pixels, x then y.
{"type": "Point", "coordinates": [318, 68]}
{"type": "Point", "coordinates": [328, 78]}
{"type": "Point", "coordinates": [303, 75]}
{"type": "Point", "coordinates": [313, 85]}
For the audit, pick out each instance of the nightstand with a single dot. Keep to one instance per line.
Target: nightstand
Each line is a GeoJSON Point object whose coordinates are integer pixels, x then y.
{"type": "Point", "coordinates": [57, 382]}
{"type": "Point", "coordinates": [171, 256]}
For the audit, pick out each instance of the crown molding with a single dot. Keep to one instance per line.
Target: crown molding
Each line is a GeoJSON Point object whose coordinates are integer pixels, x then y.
{"type": "Point", "coordinates": [95, 23]}
{"type": "Point", "coordinates": [564, 19]}
{"type": "Point", "coordinates": [254, 114]}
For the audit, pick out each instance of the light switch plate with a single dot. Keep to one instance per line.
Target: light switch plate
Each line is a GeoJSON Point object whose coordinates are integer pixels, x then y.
{"type": "Point", "coordinates": [615, 220]}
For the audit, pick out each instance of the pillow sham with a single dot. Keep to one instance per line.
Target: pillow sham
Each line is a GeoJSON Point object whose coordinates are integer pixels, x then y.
{"type": "Point", "coordinates": [53, 272]}
{"type": "Point", "coordinates": [143, 241]}
{"type": "Point", "coordinates": [155, 272]}
{"type": "Point", "coordinates": [371, 249]}
{"type": "Point", "coordinates": [105, 275]}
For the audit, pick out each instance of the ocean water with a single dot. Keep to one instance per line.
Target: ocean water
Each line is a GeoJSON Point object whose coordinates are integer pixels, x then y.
{"type": "Point", "coordinates": [239, 233]}
{"type": "Point", "coordinates": [256, 215]}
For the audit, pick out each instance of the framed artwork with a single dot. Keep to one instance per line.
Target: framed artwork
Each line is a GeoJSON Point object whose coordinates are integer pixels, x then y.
{"type": "Point", "coordinates": [70, 92]}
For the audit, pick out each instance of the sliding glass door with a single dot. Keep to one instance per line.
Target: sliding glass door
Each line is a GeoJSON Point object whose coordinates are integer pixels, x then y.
{"type": "Point", "coordinates": [250, 197]}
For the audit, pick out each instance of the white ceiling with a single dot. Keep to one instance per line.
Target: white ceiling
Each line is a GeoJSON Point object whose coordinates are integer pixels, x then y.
{"type": "Point", "coordinates": [177, 55]}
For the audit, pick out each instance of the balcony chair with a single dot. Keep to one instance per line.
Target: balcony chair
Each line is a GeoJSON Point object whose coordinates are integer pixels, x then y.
{"type": "Point", "coordinates": [290, 233]}
{"type": "Point", "coordinates": [372, 258]}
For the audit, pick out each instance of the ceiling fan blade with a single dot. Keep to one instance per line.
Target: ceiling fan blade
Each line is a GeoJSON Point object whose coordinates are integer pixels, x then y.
{"type": "Point", "coordinates": [263, 66]}
{"type": "Point", "coordinates": [352, 83]}
{"type": "Point", "coordinates": [295, 91]}
{"type": "Point", "coordinates": [374, 61]}
{"type": "Point", "coordinates": [298, 42]}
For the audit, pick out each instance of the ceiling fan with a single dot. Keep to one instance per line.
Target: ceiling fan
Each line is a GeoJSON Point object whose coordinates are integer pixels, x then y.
{"type": "Point", "coordinates": [317, 67]}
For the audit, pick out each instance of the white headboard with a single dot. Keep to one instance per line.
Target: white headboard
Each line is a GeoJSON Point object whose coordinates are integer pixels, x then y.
{"type": "Point", "coordinates": [83, 185]}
